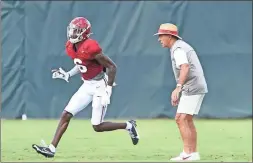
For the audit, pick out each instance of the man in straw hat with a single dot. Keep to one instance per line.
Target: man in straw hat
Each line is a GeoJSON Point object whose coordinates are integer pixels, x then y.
{"type": "Point", "coordinates": [191, 85]}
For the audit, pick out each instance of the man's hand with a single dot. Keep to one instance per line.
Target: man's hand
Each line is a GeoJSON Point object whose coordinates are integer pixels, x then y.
{"type": "Point", "coordinates": [175, 96]}
{"type": "Point", "coordinates": [60, 74]}
{"type": "Point", "coordinates": [105, 99]}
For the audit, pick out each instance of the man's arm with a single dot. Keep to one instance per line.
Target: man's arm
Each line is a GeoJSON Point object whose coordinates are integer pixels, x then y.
{"type": "Point", "coordinates": [182, 62]}
{"type": "Point", "coordinates": [110, 65]}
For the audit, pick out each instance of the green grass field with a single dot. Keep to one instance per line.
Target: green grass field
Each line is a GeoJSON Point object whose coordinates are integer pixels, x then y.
{"type": "Point", "coordinates": [219, 140]}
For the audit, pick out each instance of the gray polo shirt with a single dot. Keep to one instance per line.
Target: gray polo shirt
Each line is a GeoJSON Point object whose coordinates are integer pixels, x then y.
{"type": "Point", "coordinates": [195, 82]}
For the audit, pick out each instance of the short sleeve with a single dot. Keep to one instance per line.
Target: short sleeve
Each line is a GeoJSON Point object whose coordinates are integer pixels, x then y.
{"type": "Point", "coordinates": [180, 57]}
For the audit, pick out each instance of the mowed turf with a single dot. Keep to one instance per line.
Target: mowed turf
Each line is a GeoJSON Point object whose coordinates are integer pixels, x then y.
{"type": "Point", "coordinates": [218, 140]}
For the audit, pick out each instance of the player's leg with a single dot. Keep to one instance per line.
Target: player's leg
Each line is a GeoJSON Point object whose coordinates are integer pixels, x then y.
{"type": "Point", "coordinates": [188, 106]}
{"type": "Point", "coordinates": [97, 120]}
{"type": "Point", "coordinates": [77, 103]}
{"type": "Point", "coordinates": [98, 113]}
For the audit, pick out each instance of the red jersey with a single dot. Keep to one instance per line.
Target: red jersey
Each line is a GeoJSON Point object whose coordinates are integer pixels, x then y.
{"type": "Point", "coordinates": [84, 57]}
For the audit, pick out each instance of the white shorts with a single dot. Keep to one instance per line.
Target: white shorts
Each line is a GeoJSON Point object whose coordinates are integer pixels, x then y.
{"type": "Point", "coordinates": [89, 91]}
{"type": "Point", "coordinates": [190, 104]}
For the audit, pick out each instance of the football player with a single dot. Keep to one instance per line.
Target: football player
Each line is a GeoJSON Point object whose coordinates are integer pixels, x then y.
{"type": "Point", "coordinates": [96, 88]}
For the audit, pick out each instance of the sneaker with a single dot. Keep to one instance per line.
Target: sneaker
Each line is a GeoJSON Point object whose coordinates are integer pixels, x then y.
{"type": "Point", "coordinates": [186, 157]}
{"type": "Point", "coordinates": [45, 151]}
{"type": "Point", "coordinates": [133, 132]}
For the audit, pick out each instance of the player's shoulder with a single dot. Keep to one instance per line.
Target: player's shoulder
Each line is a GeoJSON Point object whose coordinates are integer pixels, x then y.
{"type": "Point", "coordinates": [90, 43]}
{"type": "Point", "coordinates": [91, 46]}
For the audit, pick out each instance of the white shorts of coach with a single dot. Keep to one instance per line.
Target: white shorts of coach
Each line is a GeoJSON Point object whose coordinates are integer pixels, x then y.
{"type": "Point", "coordinates": [90, 91]}
{"type": "Point", "coordinates": [190, 104]}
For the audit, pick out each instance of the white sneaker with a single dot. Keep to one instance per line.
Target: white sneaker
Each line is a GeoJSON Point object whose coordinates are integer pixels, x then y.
{"type": "Point", "coordinates": [186, 157]}
{"type": "Point", "coordinates": [178, 158]}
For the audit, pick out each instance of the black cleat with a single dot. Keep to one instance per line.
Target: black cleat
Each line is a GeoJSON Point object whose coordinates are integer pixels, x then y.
{"type": "Point", "coordinates": [133, 132]}
{"type": "Point", "coordinates": [45, 151]}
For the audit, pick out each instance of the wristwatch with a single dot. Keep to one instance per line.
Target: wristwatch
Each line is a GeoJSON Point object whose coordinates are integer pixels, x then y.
{"type": "Point", "coordinates": [179, 85]}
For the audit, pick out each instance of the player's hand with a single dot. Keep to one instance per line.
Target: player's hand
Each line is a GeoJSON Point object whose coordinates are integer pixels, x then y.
{"type": "Point", "coordinates": [175, 96]}
{"type": "Point", "coordinates": [60, 74]}
{"type": "Point", "coordinates": [105, 99]}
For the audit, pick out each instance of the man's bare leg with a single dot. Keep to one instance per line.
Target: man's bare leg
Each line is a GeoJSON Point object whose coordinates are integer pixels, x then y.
{"type": "Point", "coordinates": [62, 127]}
{"type": "Point", "coordinates": [187, 133]}
{"type": "Point", "coordinates": [109, 126]}
{"type": "Point", "coordinates": [194, 135]}
{"type": "Point", "coordinates": [177, 118]}
{"type": "Point", "coordinates": [105, 126]}
{"type": "Point", "coordinates": [130, 126]}
{"type": "Point", "coordinates": [65, 120]}
{"type": "Point", "coordinates": [189, 136]}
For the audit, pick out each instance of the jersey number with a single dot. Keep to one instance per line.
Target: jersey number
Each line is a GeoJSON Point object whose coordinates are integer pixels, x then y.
{"type": "Point", "coordinates": [82, 68]}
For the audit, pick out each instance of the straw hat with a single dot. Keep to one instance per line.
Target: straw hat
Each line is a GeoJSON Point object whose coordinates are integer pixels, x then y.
{"type": "Point", "coordinates": [168, 29]}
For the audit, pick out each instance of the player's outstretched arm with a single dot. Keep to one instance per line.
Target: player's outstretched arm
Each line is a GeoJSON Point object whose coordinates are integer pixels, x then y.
{"type": "Point", "coordinates": [110, 65]}
{"type": "Point", "coordinates": [74, 71]}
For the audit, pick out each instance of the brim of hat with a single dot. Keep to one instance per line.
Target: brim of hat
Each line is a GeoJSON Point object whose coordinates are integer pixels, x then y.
{"type": "Point", "coordinates": [168, 34]}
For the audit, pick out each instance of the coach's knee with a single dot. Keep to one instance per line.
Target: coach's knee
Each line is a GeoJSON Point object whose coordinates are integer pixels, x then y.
{"type": "Point", "coordinates": [180, 118]}
{"type": "Point", "coordinates": [177, 118]}
{"type": "Point", "coordinates": [97, 128]}
{"type": "Point", "coordinates": [183, 118]}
